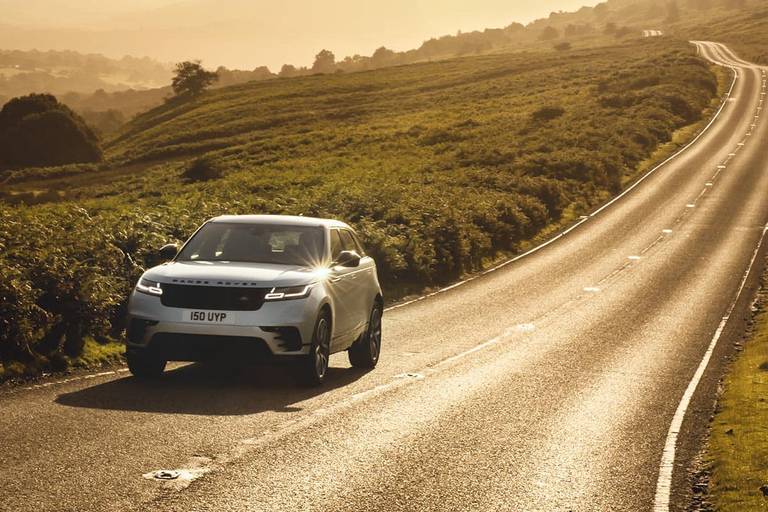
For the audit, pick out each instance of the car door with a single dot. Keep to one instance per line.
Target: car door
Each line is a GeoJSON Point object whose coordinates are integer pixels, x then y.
{"type": "Point", "coordinates": [360, 279]}
{"type": "Point", "coordinates": [342, 286]}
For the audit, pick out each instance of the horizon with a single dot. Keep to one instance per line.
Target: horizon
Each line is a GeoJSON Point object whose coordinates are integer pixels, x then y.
{"type": "Point", "coordinates": [241, 38]}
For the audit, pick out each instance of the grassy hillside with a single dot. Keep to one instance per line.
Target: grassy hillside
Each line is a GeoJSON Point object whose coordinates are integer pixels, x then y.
{"type": "Point", "coordinates": [443, 167]}
{"type": "Point", "coordinates": [746, 31]}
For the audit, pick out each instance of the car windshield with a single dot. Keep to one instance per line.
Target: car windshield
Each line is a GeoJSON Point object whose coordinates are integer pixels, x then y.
{"type": "Point", "coordinates": [256, 243]}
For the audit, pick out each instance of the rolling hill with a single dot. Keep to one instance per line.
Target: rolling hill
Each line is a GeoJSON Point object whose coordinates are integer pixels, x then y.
{"type": "Point", "coordinates": [444, 167]}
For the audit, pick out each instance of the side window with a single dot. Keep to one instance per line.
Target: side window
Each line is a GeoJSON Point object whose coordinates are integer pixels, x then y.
{"type": "Point", "coordinates": [336, 246]}
{"type": "Point", "coordinates": [360, 249]}
{"type": "Point", "coordinates": [347, 243]}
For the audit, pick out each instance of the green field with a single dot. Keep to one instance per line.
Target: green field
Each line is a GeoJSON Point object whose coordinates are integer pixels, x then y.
{"type": "Point", "coordinates": [443, 167]}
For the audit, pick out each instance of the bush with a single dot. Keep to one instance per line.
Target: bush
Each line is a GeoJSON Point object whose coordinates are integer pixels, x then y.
{"type": "Point", "coordinates": [547, 113]}
{"type": "Point", "coordinates": [202, 169]}
{"type": "Point", "coordinates": [37, 130]}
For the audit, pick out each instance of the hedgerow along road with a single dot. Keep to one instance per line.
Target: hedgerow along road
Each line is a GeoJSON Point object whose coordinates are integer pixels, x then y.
{"type": "Point", "coordinates": [577, 377]}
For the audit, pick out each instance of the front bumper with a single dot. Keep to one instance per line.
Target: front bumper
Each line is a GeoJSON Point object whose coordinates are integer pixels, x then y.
{"type": "Point", "coordinates": [280, 328]}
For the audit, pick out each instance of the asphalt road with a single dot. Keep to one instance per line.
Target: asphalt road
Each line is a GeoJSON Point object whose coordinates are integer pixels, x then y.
{"type": "Point", "coordinates": [548, 384]}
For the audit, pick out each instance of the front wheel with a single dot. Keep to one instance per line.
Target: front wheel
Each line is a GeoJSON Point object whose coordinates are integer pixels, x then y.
{"type": "Point", "coordinates": [315, 365]}
{"type": "Point", "coordinates": [364, 353]}
{"type": "Point", "coordinates": [144, 366]}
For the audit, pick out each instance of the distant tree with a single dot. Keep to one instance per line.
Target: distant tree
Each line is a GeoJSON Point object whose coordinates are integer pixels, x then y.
{"type": "Point", "coordinates": [104, 122]}
{"type": "Point", "coordinates": [261, 73]}
{"type": "Point", "coordinates": [37, 130]}
{"type": "Point", "coordinates": [288, 70]}
{"type": "Point", "coordinates": [600, 10]}
{"type": "Point", "coordinates": [191, 79]}
{"type": "Point", "coordinates": [325, 62]}
{"type": "Point", "coordinates": [383, 57]}
{"type": "Point", "coordinates": [673, 11]}
{"type": "Point", "coordinates": [548, 34]}
{"type": "Point", "coordinates": [577, 30]}
{"type": "Point", "coordinates": [562, 46]}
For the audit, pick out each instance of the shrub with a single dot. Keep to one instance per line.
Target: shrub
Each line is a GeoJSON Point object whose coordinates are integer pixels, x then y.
{"type": "Point", "coordinates": [37, 130]}
{"type": "Point", "coordinates": [202, 169]}
{"type": "Point", "coordinates": [547, 113]}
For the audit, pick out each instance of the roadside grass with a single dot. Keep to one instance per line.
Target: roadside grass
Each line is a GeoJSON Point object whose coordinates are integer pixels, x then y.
{"type": "Point", "coordinates": [95, 355]}
{"type": "Point", "coordinates": [737, 450]}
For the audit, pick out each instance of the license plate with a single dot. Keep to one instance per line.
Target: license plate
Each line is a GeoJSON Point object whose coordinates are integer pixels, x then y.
{"type": "Point", "coordinates": [210, 317]}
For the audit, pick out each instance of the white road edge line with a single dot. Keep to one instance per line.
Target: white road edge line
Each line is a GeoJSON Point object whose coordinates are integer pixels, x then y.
{"type": "Point", "coordinates": [666, 467]}
{"type": "Point", "coordinates": [599, 210]}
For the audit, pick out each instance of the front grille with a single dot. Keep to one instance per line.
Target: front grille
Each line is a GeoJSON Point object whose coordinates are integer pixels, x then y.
{"type": "Point", "coordinates": [227, 298]}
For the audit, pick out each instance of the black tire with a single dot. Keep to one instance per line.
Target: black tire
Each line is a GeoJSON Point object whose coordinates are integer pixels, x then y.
{"type": "Point", "coordinates": [315, 364]}
{"type": "Point", "coordinates": [365, 352]}
{"type": "Point", "coordinates": [144, 366]}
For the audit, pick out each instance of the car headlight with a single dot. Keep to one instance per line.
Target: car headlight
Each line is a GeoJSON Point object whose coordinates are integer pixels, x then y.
{"type": "Point", "coordinates": [289, 292]}
{"type": "Point", "coordinates": [149, 287]}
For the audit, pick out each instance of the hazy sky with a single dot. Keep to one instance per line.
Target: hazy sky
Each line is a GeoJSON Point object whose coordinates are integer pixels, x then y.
{"type": "Point", "coordinates": [247, 33]}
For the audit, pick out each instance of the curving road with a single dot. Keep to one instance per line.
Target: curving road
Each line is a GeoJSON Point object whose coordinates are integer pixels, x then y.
{"type": "Point", "coordinates": [552, 383]}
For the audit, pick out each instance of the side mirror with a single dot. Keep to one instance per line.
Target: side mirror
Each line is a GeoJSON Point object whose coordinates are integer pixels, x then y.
{"type": "Point", "coordinates": [168, 252]}
{"type": "Point", "coordinates": [348, 259]}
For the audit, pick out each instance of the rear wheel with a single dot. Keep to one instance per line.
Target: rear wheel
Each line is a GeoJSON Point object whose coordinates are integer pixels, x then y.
{"type": "Point", "coordinates": [364, 353]}
{"type": "Point", "coordinates": [315, 365]}
{"type": "Point", "coordinates": [145, 366]}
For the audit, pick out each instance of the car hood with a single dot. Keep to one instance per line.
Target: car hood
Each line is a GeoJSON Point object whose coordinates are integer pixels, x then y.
{"type": "Point", "coordinates": [233, 274]}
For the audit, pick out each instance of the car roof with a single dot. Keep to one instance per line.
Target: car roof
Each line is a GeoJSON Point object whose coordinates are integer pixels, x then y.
{"type": "Point", "coordinates": [285, 220]}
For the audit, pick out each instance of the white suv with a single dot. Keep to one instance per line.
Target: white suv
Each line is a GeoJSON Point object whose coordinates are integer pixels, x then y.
{"type": "Point", "coordinates": [258, 285]}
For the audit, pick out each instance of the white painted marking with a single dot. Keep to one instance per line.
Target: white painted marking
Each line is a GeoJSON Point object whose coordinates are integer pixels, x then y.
{"type": "Point", "coordinates": [73, 379]}
{"type": "Point", "coordinates": [633, 258]}
{"type": "Point", "coordinates": [666, 231]}
{"type": "Point", "coordinates": [591, 289]}
{"type": "Point", "coordinates": [708, 184]}
{"type": "Point", "coordinates": [690, 205]}
{"type": "Point", "coordinates": [664, 483]}
{"type": "Point", "coordinates": [731, 154]}
{"type": "Point", "coordinates": [721, 166]}
{"type": "Point", "coordinates": [525, 327]}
